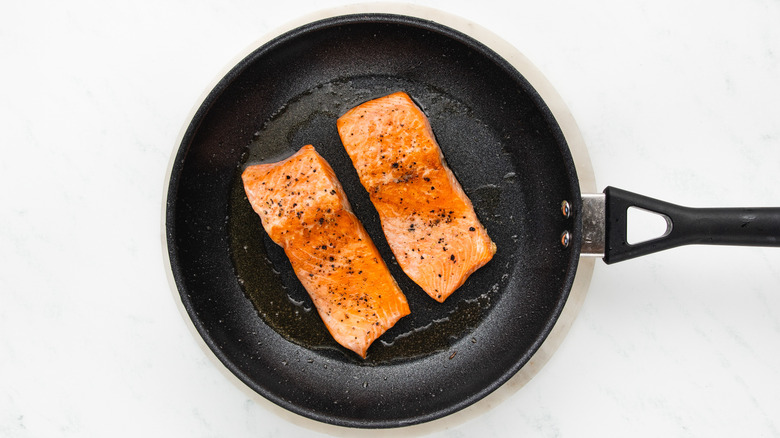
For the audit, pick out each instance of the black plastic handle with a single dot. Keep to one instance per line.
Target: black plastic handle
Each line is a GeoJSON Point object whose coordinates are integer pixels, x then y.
{"type": "Point", "coordinates": [686, 226]}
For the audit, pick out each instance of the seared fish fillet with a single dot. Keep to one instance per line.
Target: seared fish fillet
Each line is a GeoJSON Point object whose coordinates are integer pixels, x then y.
{"type": "Point", "coordinates": [426, 216]}
{"type": "Point", "coordinates": [304, 210]}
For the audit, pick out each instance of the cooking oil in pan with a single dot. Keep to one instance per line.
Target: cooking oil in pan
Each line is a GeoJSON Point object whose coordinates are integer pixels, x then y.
{"type": "Point", "coordinates": [265, 273]}
{"type": "Point", "coordinates": [269, 282]}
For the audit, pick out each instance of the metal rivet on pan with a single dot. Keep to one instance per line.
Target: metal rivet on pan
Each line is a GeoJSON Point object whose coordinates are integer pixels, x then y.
{"type": "Point", "coordinates": [565, 239]}
{"type": "Point", "coordinates": [566, 209]}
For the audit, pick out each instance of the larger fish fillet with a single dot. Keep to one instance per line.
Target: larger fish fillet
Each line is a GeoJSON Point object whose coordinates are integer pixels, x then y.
{"type": "Point", "coordinates": [304, 210]}
{"type": "Point", "coordinates": [426, 216]}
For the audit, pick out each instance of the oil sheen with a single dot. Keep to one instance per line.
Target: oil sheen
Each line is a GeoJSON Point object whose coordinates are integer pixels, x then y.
{"type": "Point", "coordinates": [265, 274]}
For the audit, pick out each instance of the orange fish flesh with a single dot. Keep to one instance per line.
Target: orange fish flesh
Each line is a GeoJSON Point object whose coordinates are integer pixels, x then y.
{"type": "Point", "coordinates": [304, 209]}
{"type": "Point", "coordinates": [426, 216]}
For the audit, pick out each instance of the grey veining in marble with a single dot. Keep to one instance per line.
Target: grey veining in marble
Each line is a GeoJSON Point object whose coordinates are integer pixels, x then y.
{"type": "Point", "coordinates": [675, 100]}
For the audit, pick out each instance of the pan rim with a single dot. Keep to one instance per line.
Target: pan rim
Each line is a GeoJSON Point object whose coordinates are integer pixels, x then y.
{"type": "Point", "coordinates": [560, 113]}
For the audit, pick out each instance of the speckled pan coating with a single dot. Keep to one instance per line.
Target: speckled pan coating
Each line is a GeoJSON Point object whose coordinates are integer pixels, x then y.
{"type": "Point", "coordinates": [500, 140]}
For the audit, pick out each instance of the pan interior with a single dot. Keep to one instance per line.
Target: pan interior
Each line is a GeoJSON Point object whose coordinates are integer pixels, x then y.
{"type": "Point", "coordinates": [238, 287]}
{"type": "Point", "coordinates": [311, 118]}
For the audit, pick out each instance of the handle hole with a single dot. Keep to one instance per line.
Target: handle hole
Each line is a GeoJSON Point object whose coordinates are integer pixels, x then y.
{"type": "Point", "coordinates": [645, 225]}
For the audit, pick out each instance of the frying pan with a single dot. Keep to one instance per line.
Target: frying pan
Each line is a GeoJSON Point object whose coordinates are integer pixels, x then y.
{"type": "Point", "coordinates": [506, 148]}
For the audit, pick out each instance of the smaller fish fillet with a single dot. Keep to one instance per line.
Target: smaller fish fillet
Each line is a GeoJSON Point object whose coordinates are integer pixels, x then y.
{"type": "Point", "coordinates": [426, 216]}
{"type": "Point", "coordinates": [305, 210]}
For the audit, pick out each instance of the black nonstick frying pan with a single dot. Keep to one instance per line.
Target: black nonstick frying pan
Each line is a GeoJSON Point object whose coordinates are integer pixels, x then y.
{"type": "Point", "coordinates": [507, 150]}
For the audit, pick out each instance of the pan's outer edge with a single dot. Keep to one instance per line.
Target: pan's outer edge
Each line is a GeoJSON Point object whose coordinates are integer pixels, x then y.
{"type": "Point", "coordinates": [579, 154]}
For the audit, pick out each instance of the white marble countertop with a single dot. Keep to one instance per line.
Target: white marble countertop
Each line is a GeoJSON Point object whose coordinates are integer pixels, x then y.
{"type": "Point", "coordinates": [675, 100]}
